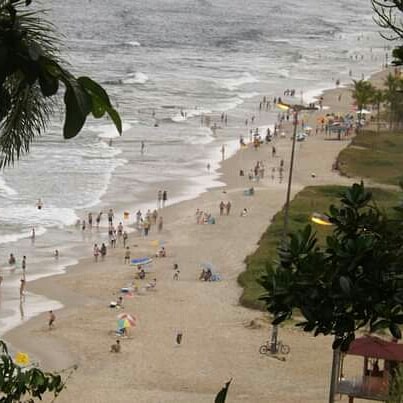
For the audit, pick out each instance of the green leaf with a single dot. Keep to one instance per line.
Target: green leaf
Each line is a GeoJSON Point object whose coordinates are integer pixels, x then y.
{"type": "Point", "coordinates": [337, 343]}
{"type": "Point", "coordinates": [222, 394]}
{"type": "Point", "coordinates": [395, 330]}
{"type": "Point", "coordinates": [78, 106]}
{"type": "Point", "coordinates": [49, 84]}
{"type": "Point", "coordinates": [100, 102]}
{"type": "Point", "coordinates": [114, 115]}
{"type": "Point", "coordinates": [279, 319]}
{"type": "Point", "coordinates": [381, 324]}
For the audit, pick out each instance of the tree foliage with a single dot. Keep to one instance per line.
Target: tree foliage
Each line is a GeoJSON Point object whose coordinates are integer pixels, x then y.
{"type": "Point", "coordinates": [31, 72]}
{"type": "Point", "coordinates": [389, 16]}
{"type": "Point", "coordinates": [22, 384]}
{"type": "Point", "coordinates": [364, 94]}
{"type": "Point", "coordinates": [355, 282]}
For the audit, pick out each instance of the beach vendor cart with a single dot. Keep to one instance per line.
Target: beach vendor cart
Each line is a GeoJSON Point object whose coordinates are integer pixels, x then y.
{"type": "Point", "coordinates": [381, 358]}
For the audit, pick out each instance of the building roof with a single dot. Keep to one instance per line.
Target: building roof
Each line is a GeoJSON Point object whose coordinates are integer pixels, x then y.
{"type": "Point", "coordinates": [374, 347]}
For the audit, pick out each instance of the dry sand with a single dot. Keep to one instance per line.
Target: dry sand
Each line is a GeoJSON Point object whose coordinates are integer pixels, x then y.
{"type": "Point", "coordinates": [217, 342]}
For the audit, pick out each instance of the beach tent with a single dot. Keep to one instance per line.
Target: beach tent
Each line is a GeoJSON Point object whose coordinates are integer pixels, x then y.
{"type": "Point", "coordinates": [363, 112]}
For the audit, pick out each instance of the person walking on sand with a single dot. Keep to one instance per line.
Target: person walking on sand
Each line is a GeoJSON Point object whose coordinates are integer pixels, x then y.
{"type": "Point", "coordinates": [110, 216]}
{"type": "Point", "coordinates": [96, 252]}
{"type": "Point", "coordinates": [127, 255]}
{"type": "Point", "coordinates": [223, 151]}
{"type": "Point", "coordinates": [273, 151]}
{"type": "Point", "coordinates": [103, 251]}
{"type": "Point", "coordinates": [125, 236]}
{"type": "Point", "coordinates": [164, 198]}
{"type": "Point", "coordinates": [159, 199]}
{"type": "Point", "coordinates": [98, 219]}
{"type": "Point", "coordinates": [33, 234]}
{"type": "Point", "coordinates": [90, 220]}
{"type": "Point", "coordinates": [160, 224]}
{"type": "Point", "coordinates": [228, 207]}
{"type": "Point", "coordinates": [52, 318]}
{"type": "Point", "coordinates": [222, 205]}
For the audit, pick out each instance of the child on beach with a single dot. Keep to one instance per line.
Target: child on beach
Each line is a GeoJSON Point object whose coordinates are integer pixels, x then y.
{"type": "Point", "coordinates": [115, 348]}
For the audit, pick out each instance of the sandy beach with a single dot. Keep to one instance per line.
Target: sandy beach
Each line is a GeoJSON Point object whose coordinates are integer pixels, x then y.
{"type": "Point", "coordinates": [217, 342]}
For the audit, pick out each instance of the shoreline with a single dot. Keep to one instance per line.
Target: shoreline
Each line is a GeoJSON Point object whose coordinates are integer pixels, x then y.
{"type": "Point", "coordinates": [76, 288]}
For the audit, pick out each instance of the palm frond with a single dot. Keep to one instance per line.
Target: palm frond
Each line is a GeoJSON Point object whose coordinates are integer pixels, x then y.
{"type": "Point", "coordinates": [26, 118]}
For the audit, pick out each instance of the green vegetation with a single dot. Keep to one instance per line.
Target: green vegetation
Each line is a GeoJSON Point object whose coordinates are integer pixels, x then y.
{"type": "Point", "coordinates": [370, 155]}
{"type": "Point", "coordinates": [309, 200]}
{"type": "Point", "coordinates": [374, 156]}
{"type": "Point", "coordinates": [353, 282]}
{"type": "Point", "coordinates": [388, 15]}
{"type": "Point", "coordinates": [390, 96]}
{"type": "Point", "coordinates": [31, 73]}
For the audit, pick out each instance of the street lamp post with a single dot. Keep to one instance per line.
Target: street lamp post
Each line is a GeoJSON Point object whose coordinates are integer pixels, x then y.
{"type": "Point", "coordinates": [296, 109]}
{"type": "Point", "coordinates": [323, 219]}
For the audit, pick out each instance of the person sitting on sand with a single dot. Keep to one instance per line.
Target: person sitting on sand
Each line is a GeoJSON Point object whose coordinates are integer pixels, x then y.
{"type": "Point", "coordinates": [162, 252]}
{"type": "Point", "coordinates": [244, 212]}
{"type": "Point", "coordinates": [152, 284]}
{"type": "Point", "coordinates": [202, 274]}
{"type": "Point", "coordinates": [119, 302]}
{"type": "Point", "coordinates": [142, 274]}
{"type": "Point", "coordinates": [208, 275]}
{"type": "Point", "coordinates": [115, 348]}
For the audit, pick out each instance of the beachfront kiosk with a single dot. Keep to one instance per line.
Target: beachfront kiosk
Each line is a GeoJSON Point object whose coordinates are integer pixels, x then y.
{"type": "Point", "coordinates": [381, 357]}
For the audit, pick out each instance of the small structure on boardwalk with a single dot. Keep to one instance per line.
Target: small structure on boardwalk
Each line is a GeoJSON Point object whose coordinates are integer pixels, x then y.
{"type": "Point", "coordinates": [381, 358]}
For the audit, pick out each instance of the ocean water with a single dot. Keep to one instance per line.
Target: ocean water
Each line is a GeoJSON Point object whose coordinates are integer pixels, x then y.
{"type": "Point", "coordinates": [165, 62]}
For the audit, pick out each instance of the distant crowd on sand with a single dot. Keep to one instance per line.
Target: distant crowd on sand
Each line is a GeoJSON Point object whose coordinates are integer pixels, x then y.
{"type": "Point", "coordinates": [151, 221]}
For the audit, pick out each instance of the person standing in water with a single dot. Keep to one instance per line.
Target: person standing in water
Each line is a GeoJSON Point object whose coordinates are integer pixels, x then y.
{"type": "Point", "coordinates": [39, 204]}
{"type": "Point", "coordinates": [164, 197]}
{"type": "Point", "coordinates": [24, 266]}
{"type": "Point", "coordinates": [22, 289]}
{"type": "Point", "coordinates": [143, 146]}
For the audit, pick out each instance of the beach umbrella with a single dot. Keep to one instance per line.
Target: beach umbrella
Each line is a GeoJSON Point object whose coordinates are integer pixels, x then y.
{"type": "Point", "coordinates": [127, 320]}
{"type": "Point", "coordinates": [156, 242]}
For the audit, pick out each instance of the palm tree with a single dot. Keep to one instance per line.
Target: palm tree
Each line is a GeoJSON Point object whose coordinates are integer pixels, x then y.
{"type": "Point", "coordinates": [394, 98]}
{"type": "Point", "coordinates": [377, 99]}
{"type": "Point", "coordinates": [362, 94]}
{"type": "Point", "coordinates": [30, 73]}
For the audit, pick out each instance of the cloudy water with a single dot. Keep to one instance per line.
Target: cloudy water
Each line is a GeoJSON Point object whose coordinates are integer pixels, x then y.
{"type": "Point", "coordinates": [164, 62]}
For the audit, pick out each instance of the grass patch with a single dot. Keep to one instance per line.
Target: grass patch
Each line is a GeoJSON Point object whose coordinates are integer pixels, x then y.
{"type": "Point", "coordinates": [309, 200]}
{"type": "Point", "coordinates": [375, 156]}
